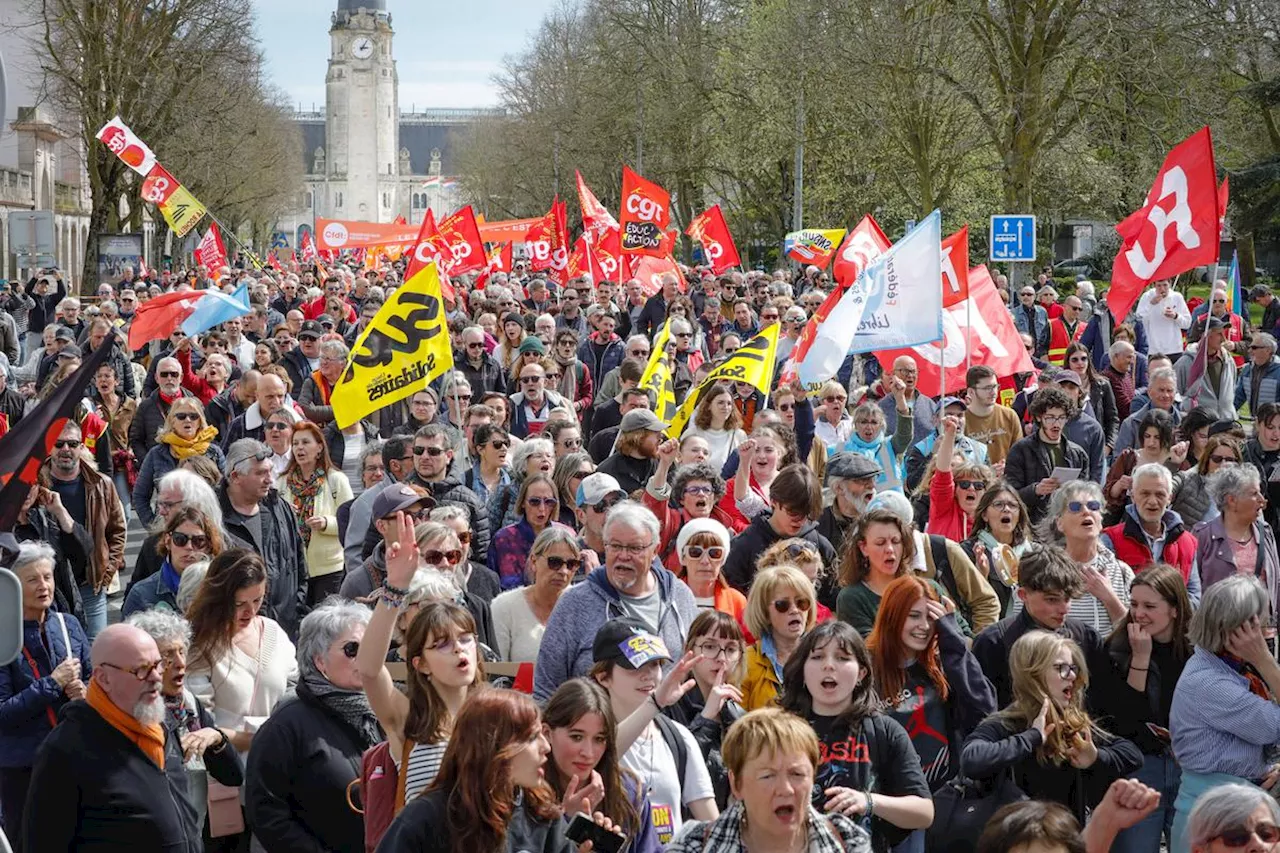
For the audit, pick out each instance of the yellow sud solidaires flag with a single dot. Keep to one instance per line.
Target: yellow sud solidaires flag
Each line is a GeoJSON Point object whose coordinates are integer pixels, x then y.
{"type": "Point", "coordinates": [658, 381]}
{"type": "Point", "coordinates": [405, 347]}
{"type": "Point", "coordinates": [753, 362]}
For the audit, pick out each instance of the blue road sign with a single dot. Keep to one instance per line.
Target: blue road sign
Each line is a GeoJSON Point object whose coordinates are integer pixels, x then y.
{"type": "Point", "coordinates": [1013, 238]}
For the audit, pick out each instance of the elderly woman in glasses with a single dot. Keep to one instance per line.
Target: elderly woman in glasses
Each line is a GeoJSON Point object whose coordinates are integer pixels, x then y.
{"type": "Point", "coordinates": [1224, 719]}
{"type": "Point", "coordinates": [440, 551]}
{"type": "Point", "coordinates": [1191, 499]}
{"type": "Point", "coordinates": [537, 507]}
{"type": "Point", "coordinates": [1234, 817]}
{"type": "Point", "coordinates": [185, 434]}
{"type": "Point", "coordinates": [189, 537]}
{"type": "Point", "coordinates": [306, 755]}
{"type": "Point", "coordinates": [520, 614]}
{"type": "Point", "coordinates": [1074, 522]}
{"type": "Point", "coordinates": [1239, 540]}
{"type": "Point", "coordinates": [50, 672]}
{"type": "Point", "coordinates": [206, 748]}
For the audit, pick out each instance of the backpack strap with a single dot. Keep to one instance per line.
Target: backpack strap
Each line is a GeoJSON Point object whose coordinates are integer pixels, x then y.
{"type": "Point", "coordinates": [679, 750]}
{"type": "Point", "coordinates": [942, 566]}
{"type": "Point", "coordinates": [405, 748]}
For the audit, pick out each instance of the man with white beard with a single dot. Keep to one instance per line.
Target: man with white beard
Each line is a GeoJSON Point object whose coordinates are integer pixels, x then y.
{"type": "Point", "coordinates": [94, 786]}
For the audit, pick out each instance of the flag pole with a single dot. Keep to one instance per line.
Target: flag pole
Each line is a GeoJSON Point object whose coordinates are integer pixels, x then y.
{"type": "Point", "coordinates": [968, 326]}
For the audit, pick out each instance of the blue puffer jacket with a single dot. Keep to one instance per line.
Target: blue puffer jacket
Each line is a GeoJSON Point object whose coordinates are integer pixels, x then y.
{"type": "Point", "coordinates": [29, 703]}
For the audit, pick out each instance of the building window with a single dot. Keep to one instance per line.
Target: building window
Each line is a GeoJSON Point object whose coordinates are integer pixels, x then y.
{"type": "Point", "coordinates": [310, 199]}
{"type": "Point", "coordinates": [337, 199]}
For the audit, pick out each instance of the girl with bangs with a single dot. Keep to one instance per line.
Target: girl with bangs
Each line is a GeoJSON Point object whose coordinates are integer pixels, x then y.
{"type": "Point", "coordinates": [926, 677]}
{"type": "Point", "coordinates": [443, 668]}
{"type": "Point", "coordinates": [490, 794]}
{"type": "Point", "coordinates": [1045, 737]}
{"type": "Point", "coordinates": [715, 701]}
{"type": "Point", "coordinates": [578, 723]}
{"type": "Point", "coordinates": [1001, 534]}
{"type": "Point", "coordinates": [779, 612]}
{"type": "Point", "coordinates": [954, 484]}
{"type": "Point", "coordinates": [867, 768]}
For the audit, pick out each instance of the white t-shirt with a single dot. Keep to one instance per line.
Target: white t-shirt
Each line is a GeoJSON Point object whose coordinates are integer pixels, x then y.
{"type": "Point", "coordinates": [650, 759]}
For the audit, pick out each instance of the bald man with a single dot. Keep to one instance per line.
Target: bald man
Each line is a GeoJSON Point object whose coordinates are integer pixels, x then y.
{"type": "Point", "coordinates": [271, 397]}
{"type": "Point", "coordinates": [922, 408]}
{"type": "Point", "coordinates": [110, 775]}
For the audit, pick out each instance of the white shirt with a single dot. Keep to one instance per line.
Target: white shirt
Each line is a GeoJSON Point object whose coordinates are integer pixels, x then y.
{"type": "Point", "coordinates": [1163, 334]}
{"type": "Point", "coordinates": [517, 631]}
{"type": "Point", "coordinates": [651, 760]}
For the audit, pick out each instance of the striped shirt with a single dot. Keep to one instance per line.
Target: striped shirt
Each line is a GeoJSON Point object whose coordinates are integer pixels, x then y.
{"type": "Point", "coordinates": [1217, 724]}
{"type": "Point", "coordinates": [1087, 608]}
{"type": "Point", "coordinates": [424, 766]}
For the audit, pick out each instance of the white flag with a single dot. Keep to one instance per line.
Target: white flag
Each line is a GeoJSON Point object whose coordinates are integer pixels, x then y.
{"type": "Point", "coordinates": [896, 302]}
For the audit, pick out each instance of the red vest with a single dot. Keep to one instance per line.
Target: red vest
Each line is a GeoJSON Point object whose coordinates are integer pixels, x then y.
{"type": "Point", "coordinates": [1058, 340]}
{"type": "Point", "coordinates": [1180, 553]}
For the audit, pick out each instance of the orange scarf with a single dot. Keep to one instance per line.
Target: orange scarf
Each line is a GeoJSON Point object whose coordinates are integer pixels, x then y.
{"type": "Point", "coordinates": [322, 384]}
{"type": "Point", "coordinates": [149, 739]}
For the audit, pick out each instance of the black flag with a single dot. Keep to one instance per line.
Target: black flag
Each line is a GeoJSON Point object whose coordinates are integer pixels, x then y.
{"type": "Point", "coordinates": [25, 447]}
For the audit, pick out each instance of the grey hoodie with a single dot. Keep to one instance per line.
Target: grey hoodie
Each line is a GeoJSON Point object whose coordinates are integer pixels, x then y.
{"type": "Point", "coordinates": [584, 608]}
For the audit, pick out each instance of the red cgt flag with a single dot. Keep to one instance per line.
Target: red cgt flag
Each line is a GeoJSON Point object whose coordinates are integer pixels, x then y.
{"type": "Point", "coordinates": [646, 212]}
{"type": "Point", "coordinates": [211, 253]}
{"type": "Point", "coordinates": [1176, 230]}
{"type": "Point", "coordinates": [431, 246]}
{"type": "Point", "coordinates": [955, 268]}
{"type": "Point", "coordinates": [461, 233]}
{"type": "Point", "coordinates": [864, 244]}
{"type": "Point", "coordinates": [583, 261]}
{"type": "Point", "coordinates": [978, 325]}
{"type": "Point", "coordinates": [650, 270]}
{"type": "Point", "coordinates": [595, 216]}
{"type": "Point", "coordinates": [559, 270]}
{"type": "Point", "coordinates": [710, 229]}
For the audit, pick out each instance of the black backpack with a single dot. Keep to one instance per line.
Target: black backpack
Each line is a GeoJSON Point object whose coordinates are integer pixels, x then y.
{"type": "Point", "coordinates": [679, 750]}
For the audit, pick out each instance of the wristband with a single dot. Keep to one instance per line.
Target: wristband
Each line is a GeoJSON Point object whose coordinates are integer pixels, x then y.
{"type": "Point", "coordinates": [871, 805]}
{"type": "Point", "coordinates": [394, 590]}
{"type": "Point", "coordinates": [654, 699]}
{"type": "Point", "coordinates": [1133, 668]}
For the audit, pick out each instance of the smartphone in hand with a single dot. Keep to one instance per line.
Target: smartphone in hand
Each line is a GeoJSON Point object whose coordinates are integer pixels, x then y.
{"type": "Point", "coordinates": [583, 828]}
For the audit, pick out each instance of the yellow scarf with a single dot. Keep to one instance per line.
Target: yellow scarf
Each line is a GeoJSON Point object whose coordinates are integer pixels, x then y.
{"type": "Point", "coordinates": [149, 739]}
{"type": "Point", "coordinates": [184, 449]}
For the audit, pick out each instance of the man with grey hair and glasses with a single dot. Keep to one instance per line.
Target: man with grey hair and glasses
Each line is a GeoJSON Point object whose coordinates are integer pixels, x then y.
{"type": "Point", "coordinates": [631, 583]}
{"type": "Point", "coordinates": [1259, 379]}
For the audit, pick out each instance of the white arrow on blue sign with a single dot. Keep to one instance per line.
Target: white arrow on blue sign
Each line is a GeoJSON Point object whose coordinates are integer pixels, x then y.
{"type": "Point", "coordinates": [1013, 238]}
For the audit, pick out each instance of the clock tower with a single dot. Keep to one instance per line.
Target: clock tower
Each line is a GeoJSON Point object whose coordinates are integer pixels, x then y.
{"type": "Point", "coordinates": [361, 115]}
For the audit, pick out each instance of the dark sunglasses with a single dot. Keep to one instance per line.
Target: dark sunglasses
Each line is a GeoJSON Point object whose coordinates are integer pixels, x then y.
{"type": "Point", "coordinates": [783, 605]}
{"type": "Point", "coordinates": [168, 374]}
{"type": "Point", "coordinates": [351, 648]}
{"type": "Point", "coordinates": [66, 442]}
{"type": "Point", "coordinates": [308, 337]}
{"type": "Point", "coordinates": [695, 552]}
{"type": "Point", "coordinates": [185, 416]}
{"type": "Point", "coordinates": [786, 407]}
{"type": "Point", "coordinates": [535, 501]}
{"type": "Point", "coordinates": [557, 564]}
{"type": "Point", "coordinates": [182, 540]}
{"type": "Point", "coordinates": [1268, 833]}
{"type": "Point", "coordinates": [1078, 506]}
{"type": "Point", "coordinates": [799, 549]}
{"type": "Point", "coordinates": [606, 505]}
{"type": "Point", "coordinates": [975, 485]}
{"type": "Point", "coordinates": [500, 444]}
{"type": "Point", "coordinates": [833, 398]}
{"type": "Point", "coordinates": [430, 451]}
{"type": "Point", "coordinates": [1222, 460]}
{"type": "Point", "coordinates": [435, 558]}
{"type": "Point", "coordinates": [531, 379]}
{"type": "Point", "coordinates": [277, 425]}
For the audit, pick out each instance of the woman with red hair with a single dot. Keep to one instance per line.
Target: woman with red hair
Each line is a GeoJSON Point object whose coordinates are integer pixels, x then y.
{"type": "Point", "coordinates": [315, 488]}
{"type": "Point", "coordinates": [926, 677]}
{"type": "Point", "coordinates": [491, 794]}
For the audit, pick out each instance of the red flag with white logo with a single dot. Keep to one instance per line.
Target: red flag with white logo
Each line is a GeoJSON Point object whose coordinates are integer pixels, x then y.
{"type": "Point", "coordinates": [430, 246]}
{"type": "Point", "coordinates": [710, 229]}
{"type": "Point", "coordinates": [461, 233]}
{"type": "Point", "coordinates": [537, 241]}
{"type": "Point", "coordinates": [211, 253]}
{"type": "Point", "coordinates": [955, 268]}
{"type": "Point", "coordinates": [864, 244]}
{"type": "Point", "coordinates": [1176, 230]}
{"type": "Point", "coordinates": [595, 216]}
{"type": "Point", "coordinates": [646, 212]}
{"type": "Point", "coordinates": [978, 325]}
{"type": "Point", "coordinates": [650, 270]}
{"type": "Point", "coordinates": [559, 269]}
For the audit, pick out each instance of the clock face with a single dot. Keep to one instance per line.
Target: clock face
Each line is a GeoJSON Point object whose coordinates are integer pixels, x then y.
{"type": "Point", "coordinates": [362, 48]}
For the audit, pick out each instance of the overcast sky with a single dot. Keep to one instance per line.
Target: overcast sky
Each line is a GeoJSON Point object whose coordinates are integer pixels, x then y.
{"type": "Point", "coordinates": [446, 52]}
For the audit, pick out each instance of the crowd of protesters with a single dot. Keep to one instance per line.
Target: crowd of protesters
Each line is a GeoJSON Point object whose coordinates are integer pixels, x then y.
{"type": "Point", "coordinates": [844, 620]}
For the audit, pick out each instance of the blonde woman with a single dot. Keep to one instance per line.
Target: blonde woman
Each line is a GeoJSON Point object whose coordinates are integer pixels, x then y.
{"type": "Point", "coordinates": [1045, 737]}
{"type": "Point", "coordinates": [780, 610]}
{"type": "Point", "coordinates": [315, 489]}
{"type": "Point", "coordinates": [185, 434]}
